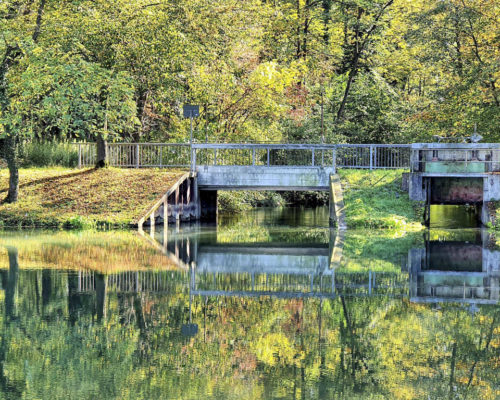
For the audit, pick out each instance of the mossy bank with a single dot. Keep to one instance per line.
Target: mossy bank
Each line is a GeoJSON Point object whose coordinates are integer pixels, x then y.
{"type": "Point", "coordinates": [69, 198]}
{"type": "Point", "coordinates": [375, 199]}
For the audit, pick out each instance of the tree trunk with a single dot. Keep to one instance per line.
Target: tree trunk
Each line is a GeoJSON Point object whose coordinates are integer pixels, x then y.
{"type": "Point", "coordinates": [352, 74]}
{"type": "Point", "coordinates": [10, 141]}
{"type": "Point", "coordinates": [102, 153]}
{"type": "Point", "coordinates": [13, 164]}
{"type": "Point", "coordinates": [11, 57]}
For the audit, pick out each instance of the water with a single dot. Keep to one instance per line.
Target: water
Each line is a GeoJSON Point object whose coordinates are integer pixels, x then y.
{"type": "Point", "coordinates": [268, 305]}
{"type": "Point", "coordinates": [454, 217]}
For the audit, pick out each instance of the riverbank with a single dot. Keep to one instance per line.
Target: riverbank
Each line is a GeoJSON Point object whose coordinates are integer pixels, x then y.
{"type": "Point", "coordinates": [112, 197]}
{"type": "Point", "coordinates": [68, 198]}
{"type": "Point", "coordinates": [375, 199]}
{"type": "Point", "coordinates": [372, 199]}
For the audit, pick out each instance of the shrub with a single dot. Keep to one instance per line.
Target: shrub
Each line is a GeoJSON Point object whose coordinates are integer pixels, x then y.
{"type": "Point", "coordinates": [46, 154]}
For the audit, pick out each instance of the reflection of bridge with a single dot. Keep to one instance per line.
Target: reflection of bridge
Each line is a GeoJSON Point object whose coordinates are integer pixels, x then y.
{"type": "Point", "coordinates": [455, 271]}
{"type": "Point", "coordinates": [310, 270]}
{"type": "Point", "coordinates": [252, 284]}
{"type": "Point", "coordinates": [255, 269]}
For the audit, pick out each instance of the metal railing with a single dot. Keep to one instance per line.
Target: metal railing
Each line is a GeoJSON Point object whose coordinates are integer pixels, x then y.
{"type": "Point", "coordinates": [183, 155]}
{"type": "Point", "coordinates": [87, 154]}
{"type": "Point", "coordinates": [373, 156]}
{"type": "Point", "coordinates": [369, 156]}
{"type": "Point", "coordinates": [456, 159]}
{"type": "Point", "coordinates": [269, 155]}
{"type": "Point", "coordinates": [138, 155]}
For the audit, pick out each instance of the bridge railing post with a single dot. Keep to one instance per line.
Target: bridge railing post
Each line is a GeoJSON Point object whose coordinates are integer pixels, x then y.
{"type": "Point", "coordinates": [79, 155]}
{"type": "Point", "coordinates": [313, 157]}
{"type": "Point", "coordinates": [193, 160]}
{"type": "Point", "coordinates": [137, 152]}
{"type": "Point", "coordinates": [371, 157]}
{"type": "Point", "coordinates": [334, 159]}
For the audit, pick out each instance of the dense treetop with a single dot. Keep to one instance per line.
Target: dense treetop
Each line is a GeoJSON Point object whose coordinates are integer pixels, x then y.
{"type": "Point", "coordinates": [353, 70]}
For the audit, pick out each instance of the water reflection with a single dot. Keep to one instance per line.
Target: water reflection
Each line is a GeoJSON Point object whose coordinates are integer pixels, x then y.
{"type": "Point", "coordinates": [249, 311]}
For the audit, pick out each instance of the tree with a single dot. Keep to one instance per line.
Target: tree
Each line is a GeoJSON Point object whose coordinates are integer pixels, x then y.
{"type": "Point", "coordinates": [363, 23]}
{"type": "Point", "coordinates": [13, 12]}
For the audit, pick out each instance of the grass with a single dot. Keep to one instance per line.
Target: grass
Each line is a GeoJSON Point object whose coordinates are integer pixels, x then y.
{"type": "Point", "coordinates": [69, 198]}
{"type": "Point", "coordinates": [375, 199]}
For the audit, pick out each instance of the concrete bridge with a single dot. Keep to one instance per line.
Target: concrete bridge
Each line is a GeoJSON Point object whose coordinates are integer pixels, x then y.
{"type": "Point", "coordinates": [275, 167]}
{"type": "Point", "coordinates": [440, 173]}
{"type": "Point", "coordinates": [449, 173]}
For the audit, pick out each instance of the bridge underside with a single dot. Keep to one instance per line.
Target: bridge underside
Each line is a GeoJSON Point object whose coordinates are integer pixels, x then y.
{"type": "Point", "coordinates": [264, 178]}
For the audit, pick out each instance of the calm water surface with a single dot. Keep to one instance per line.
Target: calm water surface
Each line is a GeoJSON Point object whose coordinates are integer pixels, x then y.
{"type": "Point", "coordinates": [268, 305]}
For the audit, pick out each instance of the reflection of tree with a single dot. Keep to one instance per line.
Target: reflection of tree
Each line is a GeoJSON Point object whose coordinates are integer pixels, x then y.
{"type": "Point", "coordinates": [9, 283]}
{"type": "Point", "coordinates": [130, 345]}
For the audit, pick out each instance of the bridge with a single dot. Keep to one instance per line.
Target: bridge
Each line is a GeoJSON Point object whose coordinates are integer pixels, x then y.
{"type": "Point", "coordinates": [268, 166]}
{"type": "Point", "coordinates": [440, 173]}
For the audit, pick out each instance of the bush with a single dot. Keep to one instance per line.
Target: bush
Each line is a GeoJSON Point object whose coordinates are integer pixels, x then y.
{"type": "Point", "coordinates": [45, 154]}
{"type": "Point", "coordinates": [238, 201]}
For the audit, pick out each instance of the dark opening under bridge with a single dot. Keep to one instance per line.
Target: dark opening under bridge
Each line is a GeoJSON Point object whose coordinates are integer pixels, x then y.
{"type": "Point", "coordinates": [440, 173]}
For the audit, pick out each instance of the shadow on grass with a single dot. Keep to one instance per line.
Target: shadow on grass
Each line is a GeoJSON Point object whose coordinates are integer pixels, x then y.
{"type": "Point", "coordinates": [52, 179]}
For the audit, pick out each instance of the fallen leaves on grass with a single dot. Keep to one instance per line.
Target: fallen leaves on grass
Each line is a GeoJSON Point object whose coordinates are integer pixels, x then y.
{"type": "Point", "coordinates": [51, 196]}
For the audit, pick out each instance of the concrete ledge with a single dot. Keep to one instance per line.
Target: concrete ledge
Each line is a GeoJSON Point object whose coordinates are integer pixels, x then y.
{"type": "Point", "coordinates": [264, 178]}
{"type": "Point", "coordinates": [337, 212]}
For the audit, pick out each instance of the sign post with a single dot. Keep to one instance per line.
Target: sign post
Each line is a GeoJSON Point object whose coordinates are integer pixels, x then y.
{"type": "Point", "coordinates": [190, 111]}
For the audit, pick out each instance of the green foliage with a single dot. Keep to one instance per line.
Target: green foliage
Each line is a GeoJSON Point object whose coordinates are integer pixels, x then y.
{"type": "Point", "coordinates": [259, 70]}
{"type": "Point", "coordinates": [374, 199]}
{"type": "Point", "coordinates": [238, 201]}
{"type": "Point", "coordinates": [46, 154]}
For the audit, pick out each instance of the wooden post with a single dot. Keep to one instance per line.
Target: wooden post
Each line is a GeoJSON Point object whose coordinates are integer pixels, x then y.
{"type": "Point", "coordinates": [176, 205]}
{"type": "Point", "coordinates": [165, 222]}
{"type": "Point", "coordinates": [79, 155]}
{"type": "Point", "coordinates": [152, 222]}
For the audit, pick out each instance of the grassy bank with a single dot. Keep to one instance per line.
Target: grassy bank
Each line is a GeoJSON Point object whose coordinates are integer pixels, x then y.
{"type": "Point", "coordinates": [60, 197]}
{"type": "Point", "coordinates": [374, 199]}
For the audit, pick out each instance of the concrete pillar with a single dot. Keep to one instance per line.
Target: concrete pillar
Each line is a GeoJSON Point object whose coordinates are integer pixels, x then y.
{"type": "Point", "coordinates": [196, 199]}
{"type": "Point", "coordinates": [415, 259]}
{"type": "Point", "coordinates": [208, 203]}
{"type": "Point", "coordinates": [101, 285]}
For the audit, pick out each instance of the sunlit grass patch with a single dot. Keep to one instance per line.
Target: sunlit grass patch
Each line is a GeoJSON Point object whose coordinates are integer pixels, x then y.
{"type": "Point", "coordinates": [375, 199]}
{"type": "Point", "coordinates": [70, 198]}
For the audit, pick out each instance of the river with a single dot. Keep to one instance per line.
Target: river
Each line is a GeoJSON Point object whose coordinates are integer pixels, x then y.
{"type": "Point", "coordinates": [271, 304]}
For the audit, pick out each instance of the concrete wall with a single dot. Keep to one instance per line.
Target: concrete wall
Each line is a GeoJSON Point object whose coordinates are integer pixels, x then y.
{"type": "Point", "coordinates": [491, 188]}
{"type": "Point", "coordinates": [452, 157]}
{"type": "Point", "coordinates": [264, 178]}
{"type": "Point", "coordinates": [456, 190]}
